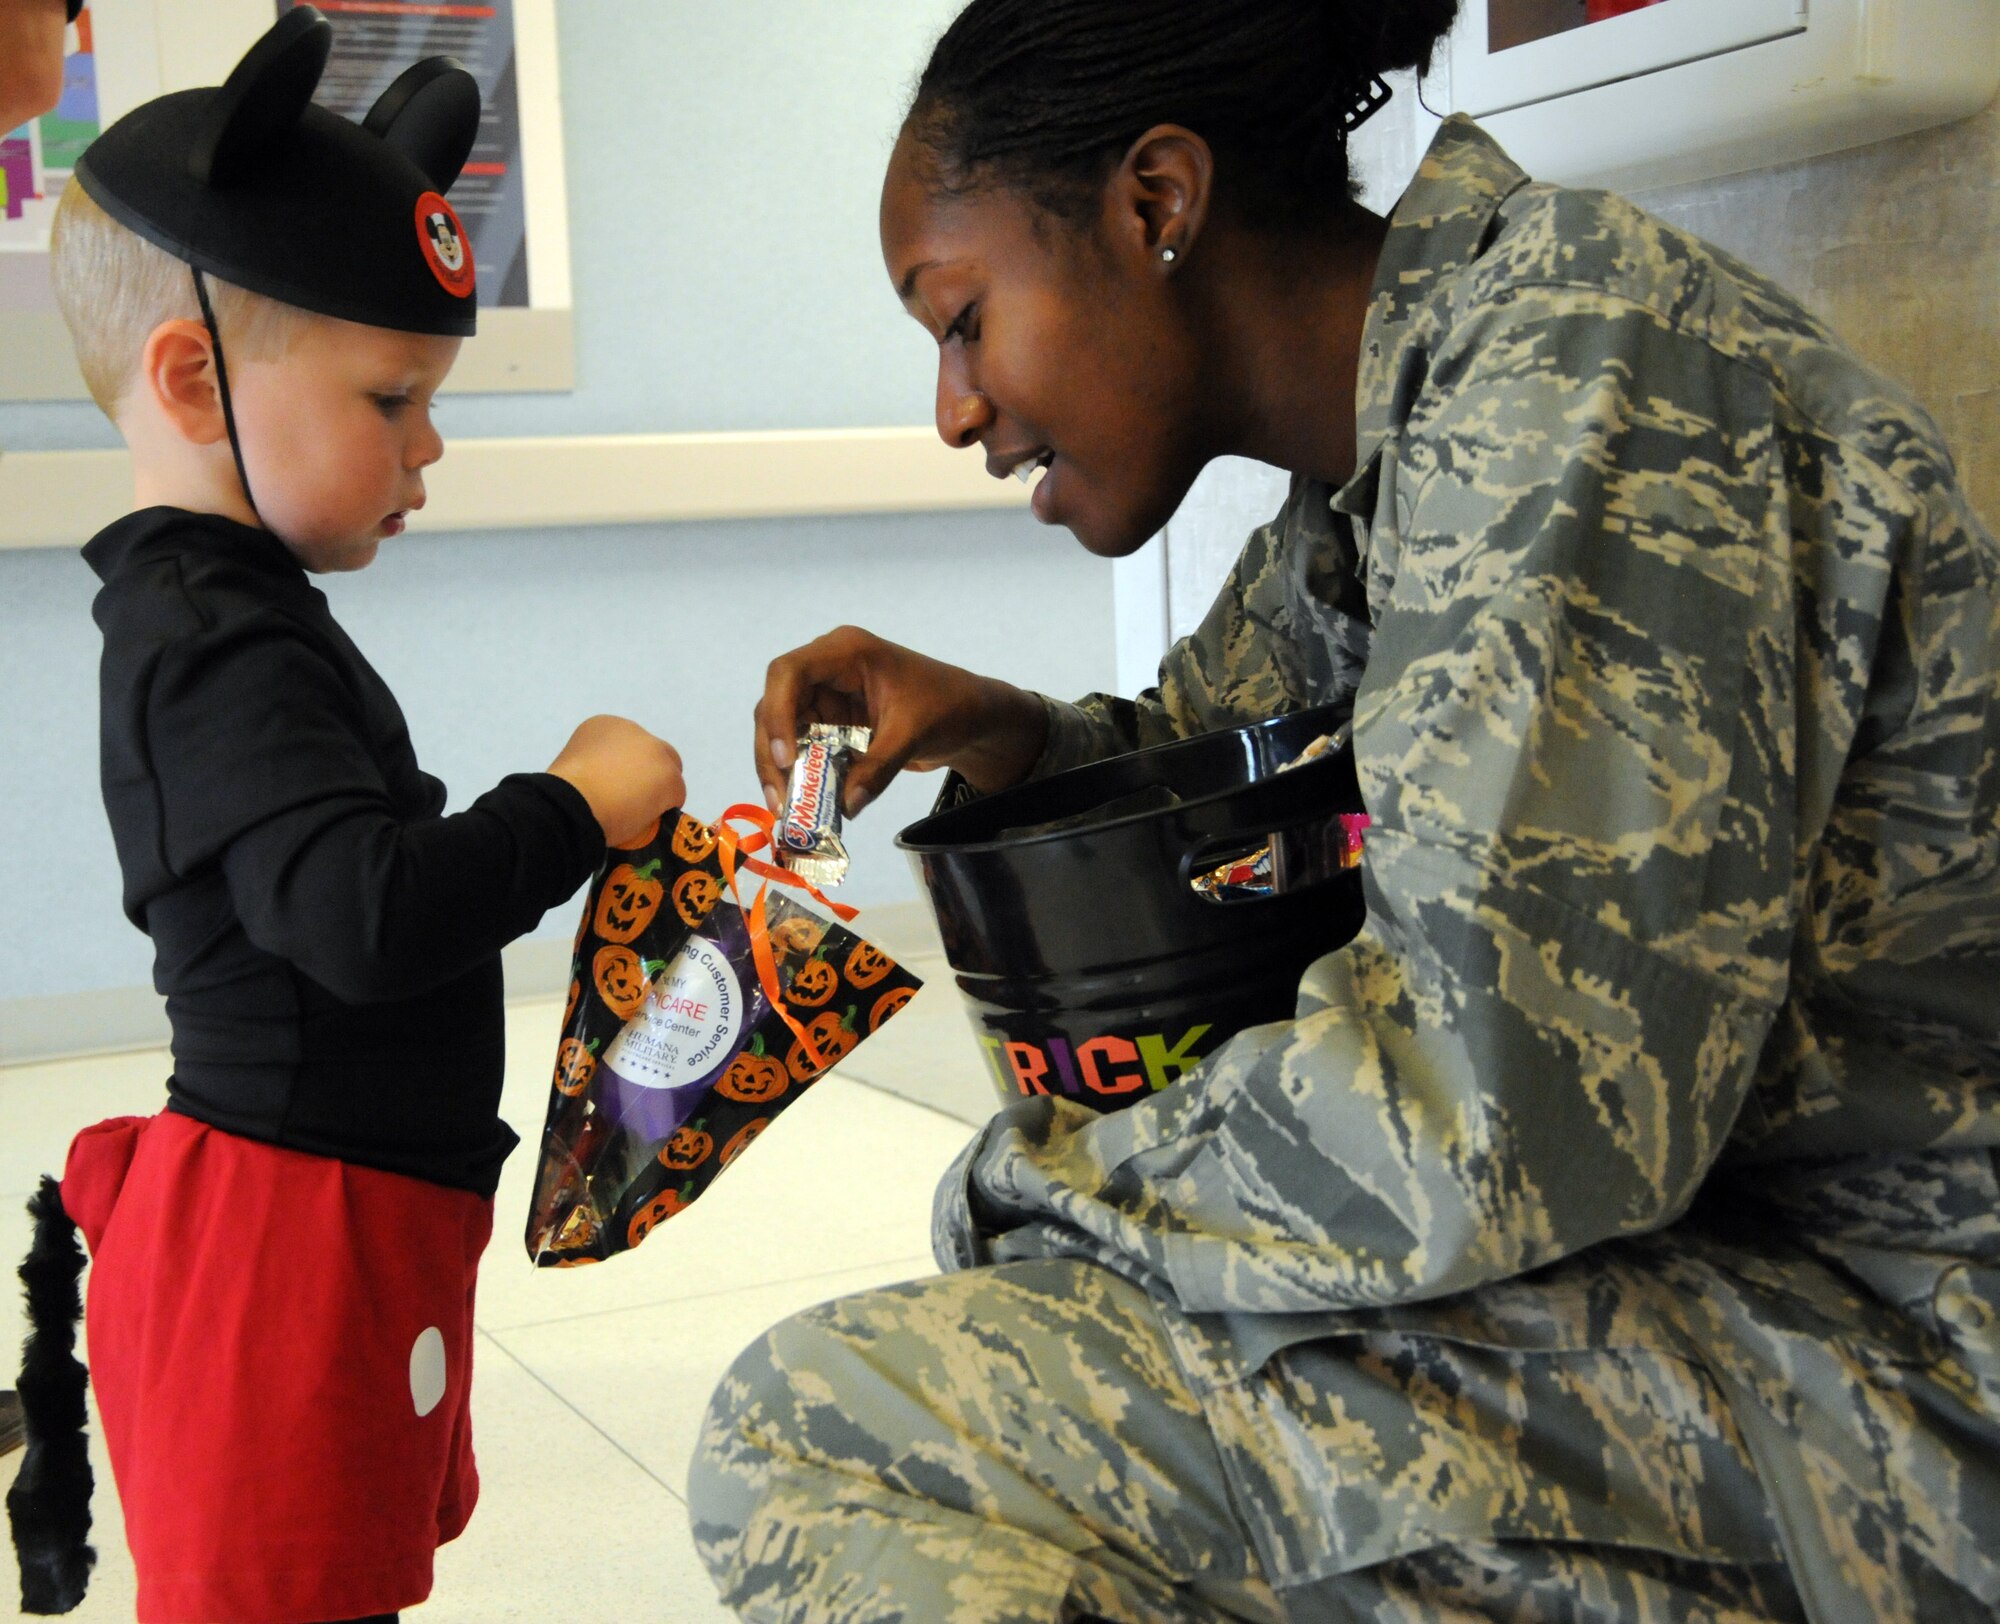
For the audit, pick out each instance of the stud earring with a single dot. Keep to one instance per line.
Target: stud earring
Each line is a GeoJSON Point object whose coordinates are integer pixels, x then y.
{"type": "Point", "coordinates": [1169, 255]}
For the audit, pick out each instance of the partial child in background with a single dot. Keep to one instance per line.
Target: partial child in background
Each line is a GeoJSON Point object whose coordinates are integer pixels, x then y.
{"type": "Point", "coordinates": [283, 1259]}
{"type": "Point", "coordinates": [31, 80]}
{"type": "Point", "coordinates": [31, 57]}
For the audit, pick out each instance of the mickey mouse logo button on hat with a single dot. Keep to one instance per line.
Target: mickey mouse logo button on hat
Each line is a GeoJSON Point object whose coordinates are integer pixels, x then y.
{"type": "Point", "coordinates": [447, 249]}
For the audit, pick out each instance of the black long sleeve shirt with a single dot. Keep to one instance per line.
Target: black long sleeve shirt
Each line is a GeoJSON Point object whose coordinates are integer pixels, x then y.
{"type": "Point", "coordinates": [328, 944]}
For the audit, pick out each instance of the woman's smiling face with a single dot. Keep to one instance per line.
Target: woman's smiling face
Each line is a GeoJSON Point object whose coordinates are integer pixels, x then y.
{"type": "Point", "coordinates": [1057, 344]}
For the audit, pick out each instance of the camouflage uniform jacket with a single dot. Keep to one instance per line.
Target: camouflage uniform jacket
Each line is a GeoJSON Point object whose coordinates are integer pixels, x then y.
{"type": "Point", "coordinates": [1676, 1021]}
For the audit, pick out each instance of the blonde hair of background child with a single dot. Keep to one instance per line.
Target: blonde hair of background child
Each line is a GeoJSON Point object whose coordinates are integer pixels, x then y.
{"type": "Point", "coordinates": [114, 287]}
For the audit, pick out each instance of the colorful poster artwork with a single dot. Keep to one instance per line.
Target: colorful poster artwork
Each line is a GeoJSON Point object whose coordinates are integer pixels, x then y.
{"type": "Point", "coordinates": [374, 40]}
{"type": "Point", "coordinates": [36, 159]}
{"type": "Point", "coordinates": [35, 165]}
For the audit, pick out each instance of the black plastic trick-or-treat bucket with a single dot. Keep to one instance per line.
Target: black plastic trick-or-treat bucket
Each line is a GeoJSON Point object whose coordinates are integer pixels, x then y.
{"type": "Point", "coordinates": [1095, 967]}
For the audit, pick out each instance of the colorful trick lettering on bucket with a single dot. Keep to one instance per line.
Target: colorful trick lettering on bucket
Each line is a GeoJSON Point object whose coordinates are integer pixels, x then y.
{"type": "Point", "coordinates": [1107, 1065]}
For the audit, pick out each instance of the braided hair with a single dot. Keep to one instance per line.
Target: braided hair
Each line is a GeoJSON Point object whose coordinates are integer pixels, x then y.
{"type": "Point", "coordinates": [1046, 96]}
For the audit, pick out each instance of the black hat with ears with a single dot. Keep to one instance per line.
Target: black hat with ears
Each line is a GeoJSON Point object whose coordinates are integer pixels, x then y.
{"type": "Point", "coordinates": [75, 6]}
{"type": "Point", "coordinates": [254, 183]}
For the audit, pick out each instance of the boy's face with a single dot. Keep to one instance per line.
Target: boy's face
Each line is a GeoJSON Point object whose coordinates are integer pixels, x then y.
{"type": "Point", "coordinates": [336, 435]}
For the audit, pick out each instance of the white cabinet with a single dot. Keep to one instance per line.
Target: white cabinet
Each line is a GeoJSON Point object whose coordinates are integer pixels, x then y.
{"type": "Point", "coordinates": [1582, 92]}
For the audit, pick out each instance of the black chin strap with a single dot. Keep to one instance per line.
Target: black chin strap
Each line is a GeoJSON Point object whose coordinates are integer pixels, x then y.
{"type": "Point", "coordinates": [222, 386]}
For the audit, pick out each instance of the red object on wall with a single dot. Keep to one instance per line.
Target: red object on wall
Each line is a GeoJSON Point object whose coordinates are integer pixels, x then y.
{"type": "Point", "coordinates": [1595, 11]}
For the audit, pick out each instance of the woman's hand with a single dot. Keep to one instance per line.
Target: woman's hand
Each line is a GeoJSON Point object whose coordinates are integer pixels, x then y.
{"type": "Point", "coordinates": [628, 776]}
{"type": "Point", "coordinates": [925, 714]}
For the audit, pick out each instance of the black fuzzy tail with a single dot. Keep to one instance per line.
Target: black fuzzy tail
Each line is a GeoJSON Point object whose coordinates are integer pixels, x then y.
{"type": "Point", "coordinates": [49, 1504]}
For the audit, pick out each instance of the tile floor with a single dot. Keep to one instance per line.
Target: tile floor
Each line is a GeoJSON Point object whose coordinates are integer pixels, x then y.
{"type": "Point", "coordinates": [591, 1383]}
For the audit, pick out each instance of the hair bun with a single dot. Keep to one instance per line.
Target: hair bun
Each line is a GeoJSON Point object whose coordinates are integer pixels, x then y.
{"type": "Point", "coordinates": [1046, 98]}
{"type": "Point", "coordinates": [1392, 34]}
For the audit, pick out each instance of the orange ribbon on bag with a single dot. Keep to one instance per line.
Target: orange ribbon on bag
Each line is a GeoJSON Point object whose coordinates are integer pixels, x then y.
{"type": "Point", "coordinates": [739, 851]}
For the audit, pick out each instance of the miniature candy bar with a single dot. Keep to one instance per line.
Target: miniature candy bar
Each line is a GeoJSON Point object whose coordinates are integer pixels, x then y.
{"type": "Point", "coordinates": [1254, 874]}
{"type": "Point", "coordinates": [1323, 745]}
{"type": "Point", "coordinates": [1353, 837]}
{"type": "Point", "coordinates": [808, 835]}
{"type": "Point", "coordinates": [1246, 876]}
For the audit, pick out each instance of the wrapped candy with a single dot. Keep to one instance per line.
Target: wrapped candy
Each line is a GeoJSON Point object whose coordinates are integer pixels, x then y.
{"type": "Point", "coordinates": [808, 833]}
{"type": "Point", "coordinates": [693, 1020]}
{"type": "Point", "coordinates": [1262, 871]}
{"type": "Point", "coordinates": [1245, 876]}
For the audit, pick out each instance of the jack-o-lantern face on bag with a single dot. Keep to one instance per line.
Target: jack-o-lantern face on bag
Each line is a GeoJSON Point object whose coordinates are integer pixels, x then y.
{"type": "Point", "coordinates": [868, 964]}
{"type": "Point", "coordinates": [753, 1076]}
{"type": "Point", "coordinates": [888, 1004]}
{"type": "Point", "coordinates": [688, 1148]}
{"type": "Point", "coordinates": [832, 1035]}
{"type": "Point", "coordinates": [576, 1064]}
{"type": "Point", "coordinates": [740, 1140]}
{"type": "Point", "coordinates": [621, 980]}
{"type": "Point", "coordinates": [797, 935]}
{"type": "Point", "coordinates": [630, 898]}
{"type": "Point", "coordinates": [654, 1213]}
{"type": "Point", "coordinates": [692, 840]}
{"type": "Point", "coordinates": [695, 895]}
{"type": "Point", "coordinates": [815, 983]}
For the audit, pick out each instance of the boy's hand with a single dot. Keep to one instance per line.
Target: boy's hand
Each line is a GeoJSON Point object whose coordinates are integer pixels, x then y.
{"type": "Point", "coordinates": [628, 776]}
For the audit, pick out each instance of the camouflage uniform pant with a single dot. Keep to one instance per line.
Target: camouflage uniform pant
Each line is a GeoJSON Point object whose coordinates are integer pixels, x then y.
{"type": "Point", "coordinates": [1017, 1445]}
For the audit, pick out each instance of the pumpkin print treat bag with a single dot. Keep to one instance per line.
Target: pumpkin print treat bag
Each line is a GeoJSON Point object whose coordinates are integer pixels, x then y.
{"type": "Point", "coordinates": [694, 1018]}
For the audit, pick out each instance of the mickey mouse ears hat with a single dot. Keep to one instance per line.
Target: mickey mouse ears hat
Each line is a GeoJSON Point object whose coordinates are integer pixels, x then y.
{"type": "Point", "coordinates": [254, 183]}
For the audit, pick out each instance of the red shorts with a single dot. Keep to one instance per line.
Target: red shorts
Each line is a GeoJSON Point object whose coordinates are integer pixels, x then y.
{"type": "Point", "coordinates": [281, 1347]}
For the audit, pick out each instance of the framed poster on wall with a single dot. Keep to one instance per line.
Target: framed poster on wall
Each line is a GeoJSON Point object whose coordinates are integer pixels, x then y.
{"type": "Point", "coordinates": [1511, 52]}
{"type": "Point", "coordinates": [511, 195]}
{"type": "Point", "coordinates": [1631, 94]}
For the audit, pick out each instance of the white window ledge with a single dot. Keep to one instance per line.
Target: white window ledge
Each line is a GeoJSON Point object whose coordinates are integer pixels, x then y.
{"type": "Point", "coordinates": [62, 498]}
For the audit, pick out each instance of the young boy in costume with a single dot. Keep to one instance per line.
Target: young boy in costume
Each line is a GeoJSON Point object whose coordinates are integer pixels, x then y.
{"type": "Point", "coordinates": [266, 297]}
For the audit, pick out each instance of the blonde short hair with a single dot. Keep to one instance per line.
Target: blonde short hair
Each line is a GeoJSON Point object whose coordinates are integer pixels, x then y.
{"type": "Point", "coordinates": [114, 287]}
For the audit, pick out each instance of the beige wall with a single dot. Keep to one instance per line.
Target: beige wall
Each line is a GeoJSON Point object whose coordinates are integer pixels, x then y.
{"type": "Point", "coordinates": [1898, 246]}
